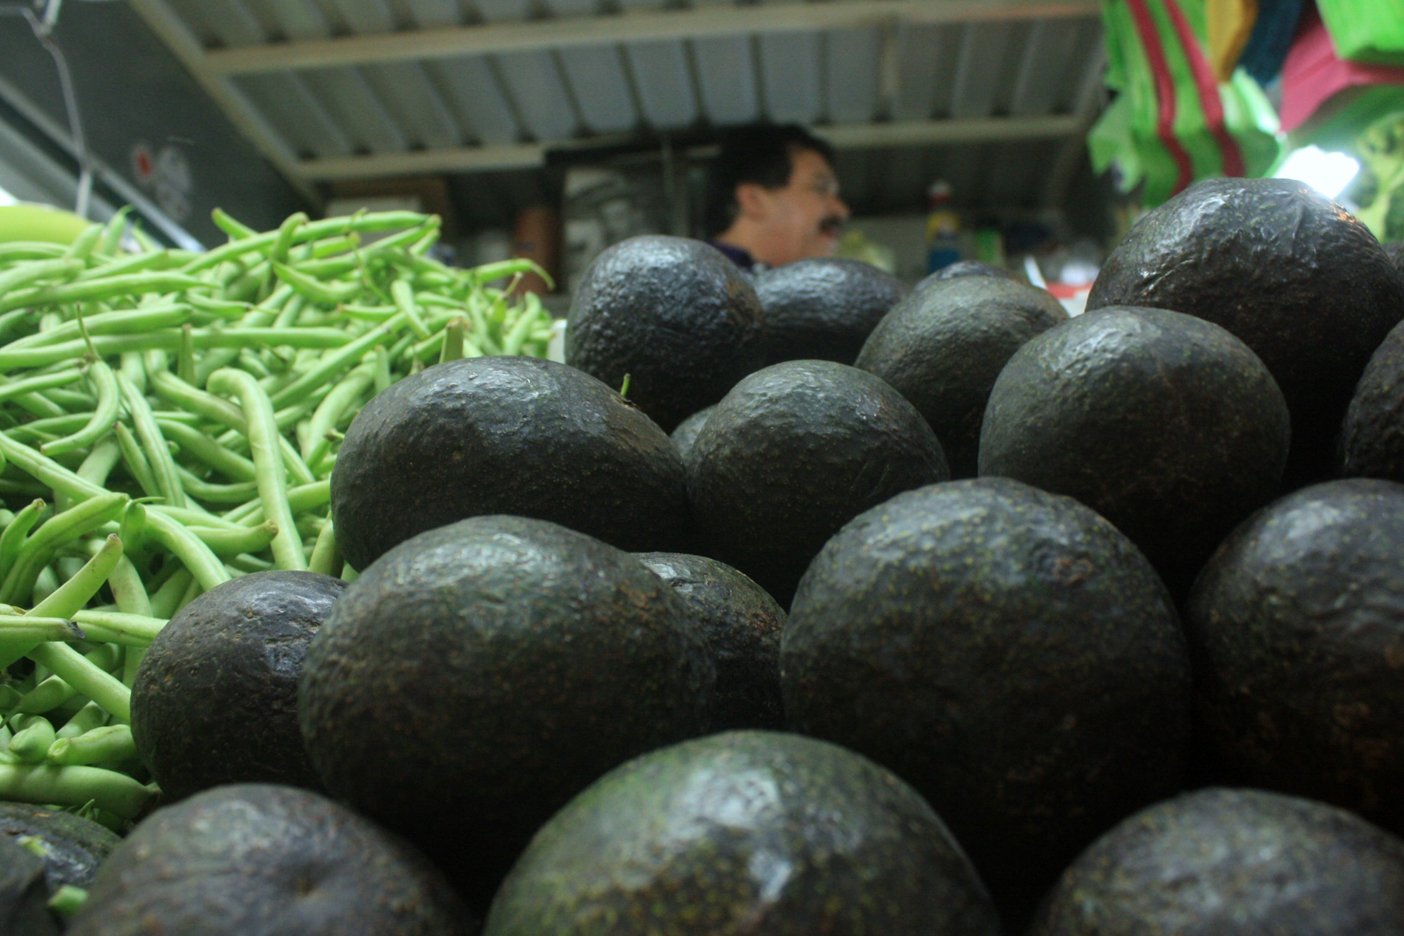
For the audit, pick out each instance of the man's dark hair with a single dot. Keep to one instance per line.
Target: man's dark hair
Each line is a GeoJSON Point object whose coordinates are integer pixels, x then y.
{"type": "Point", "coordinates": [759, 154]}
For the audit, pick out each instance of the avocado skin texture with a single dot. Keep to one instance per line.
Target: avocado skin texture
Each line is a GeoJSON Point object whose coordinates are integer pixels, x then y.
{"type": "Point", "coordinates": [685, 433]}
{"type": "Point", "coordinates": [1007, 652]}
{"type": "Point", "coordinates": [823, 307]}
{"type": "Point", "coordinates": [1233, 862]}
{"type": "Point", "coordinates": [1165, 424]}
{"type": "Point", "coordinates": [227, 661]}
{"type": "Point", "coordinates": [744, 833]}
{"type": "Point", "coordinates": [742, 625]}
{"type": "Point", "coordinates": [794, 452]}
{"type": "Point", "coordinates": [944, 344]}
{"type": "Point", "coordinates": [505, 435]}
{"type": "Point", "coordinates": [1296, 627]}
{"type": "Point", "coordinates": [1297, 278]}
{"type": "Point", "coordinates": [74, 846]}
{"type": "Point", "coordinates": [263, 859]}
{"type": "Point", "coordinates": [1372, 435]}
{"type": "Point", "coordinates": [24, 898]}
{"type": "Point", "coordinates": [672, 313]}
{"type": "Point", "coordinates": [475, 677]}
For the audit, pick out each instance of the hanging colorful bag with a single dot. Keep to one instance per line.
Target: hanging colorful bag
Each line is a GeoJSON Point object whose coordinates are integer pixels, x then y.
{"type": "Point", "coordinates": [1172, 122]}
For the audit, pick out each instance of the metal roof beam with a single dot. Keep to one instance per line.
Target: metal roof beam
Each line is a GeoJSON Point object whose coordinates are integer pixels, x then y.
{"type": "Point", "coordinates": [492, 38]}
{"type": "Point", "coordinates": [467, 159]}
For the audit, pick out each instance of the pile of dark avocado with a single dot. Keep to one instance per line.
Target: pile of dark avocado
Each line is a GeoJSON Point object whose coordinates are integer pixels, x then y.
{"type": "Point", "coordinates": [947, 614]}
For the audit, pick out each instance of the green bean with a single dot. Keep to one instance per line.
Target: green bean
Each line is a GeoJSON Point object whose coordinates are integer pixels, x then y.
{"type": "Point", "coordinates": [52, 692]}
{"type": "Point", "coordinates": [106, 387]}
{"type": "Point", "coordinates": [23, 275]}
{"type": "Point", "coordinates": [19, 628]}
{"type": "Point", "coordinates": [115, 323]}
{"type": "Point", "coordinates": [63, 527]}
{"type": "Point", "coordinates": [17, 529]}
{"type": "Point", "coordinates": [109, 744]}
{"type": "Point", "coordinates": [107, 288]}
{"type": "Point", "coordinates": [130, 630]}
{"type": "Point", "coordinates": [339, 360]}
{"type": "Point", "coordinates": [90, 716]}
{"type": "Point", "coordinates": [270, 473]}
{"type": "Point", "coordinates": [158, 454]}
{"type": "Point", "coordinates": [60, 785]}
{"type": "Point", "coordinates": [177, 539]}
{"type": "Point", "coordinates": [95, 683]}
{"type": "Point", "coordinates": [32, 738]}
{"type": "Point", "coordinates": [166, 599]}
{"type": "Point", "coordinates": [47, 471]}
{"type": "Point", "coordinates": [330, 411]}
{"type": "Point", "coordinates": [62, 378]}
{"type": "Point", "coordinates": [135, 460]}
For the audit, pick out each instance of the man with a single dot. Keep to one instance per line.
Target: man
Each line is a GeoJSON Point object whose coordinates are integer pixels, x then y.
{"type": "Point", "coordinates": [773, 197]}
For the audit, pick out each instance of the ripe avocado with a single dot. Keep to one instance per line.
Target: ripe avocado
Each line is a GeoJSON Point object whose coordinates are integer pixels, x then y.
{"type": "Point", "coordinates": [1372, 435]}
{"type": "Point", "coordinates": [943, 346]}
{"type": "Point", "coordinates": [1165, 424]}
{"type": "Point", "coordinates": [1295, 276]}
{"type": "Point", "coordinates": [1233, 862]}
{"type": "Point", "coordinates": [1006, 651]}
{"type": "Point", "coordinates": [73, 846]}
{"type": "Point", "coordinates": [744, 832]}
{"type": "Point", "coordinates": [508, 435]}
{"type": "Point", "coordinates": [742, 625]}
{"type": "Point", "coordinates": [478, 675]}
{"type": "Point", "coordinates": [1296, 626]}
{"type": "Point", "coordinates": [24, 898]}
{"type": "Point", "coordinates": [672, 313]}
{"type": "Point", "coordinates": [246, 859]}
{"type": "Point", "coordinates": [823, 307]}
{"type": "Point", "coordinates": [686, 432]}
{"type": "Point", "coordinates": [215, 697]}
{"type": "Point", "coordinates": [794, 452]}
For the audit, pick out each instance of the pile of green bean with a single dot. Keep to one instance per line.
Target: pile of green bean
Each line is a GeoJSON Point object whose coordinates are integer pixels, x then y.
{"type": "Point", "coordinates": [169, 420]}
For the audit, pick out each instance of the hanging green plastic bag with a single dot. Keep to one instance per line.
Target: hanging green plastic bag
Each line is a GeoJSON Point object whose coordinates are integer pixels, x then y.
{"type": "Point", "coordinates": [1172, 122]}
{"type": "Point", "coordinates": [1366, 30]}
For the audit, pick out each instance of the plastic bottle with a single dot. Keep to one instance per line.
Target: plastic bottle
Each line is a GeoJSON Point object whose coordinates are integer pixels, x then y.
{"type": "Point", "coordinates": [942, 227]}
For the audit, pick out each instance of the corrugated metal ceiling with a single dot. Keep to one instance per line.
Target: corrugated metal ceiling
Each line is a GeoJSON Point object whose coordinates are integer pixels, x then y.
{"type": "Point", "coordinates": [993, 95]}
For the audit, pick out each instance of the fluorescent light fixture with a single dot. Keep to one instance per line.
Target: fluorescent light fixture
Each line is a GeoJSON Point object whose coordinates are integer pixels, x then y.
{"type": "Point", "coordinates": [1328, 173]}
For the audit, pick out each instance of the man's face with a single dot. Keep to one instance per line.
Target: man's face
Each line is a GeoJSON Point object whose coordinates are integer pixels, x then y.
{"type": "Point", "coordinates": [807, 215]}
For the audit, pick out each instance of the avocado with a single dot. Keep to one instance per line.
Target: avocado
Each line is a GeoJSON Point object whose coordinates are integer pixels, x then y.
{"type": "Point", "coordinates": [685, 433]}
{"type": "Point", "coordinates": [1295, 276]}
{"type": "Point", "coordinates": [1233, 862]}
{"type": "Point", "coordinates": [674, 315]}
{"type": "Point", "coordinates": [215, 696]}
{"type": "Point", "coordinates": [823, 307]}
{"type": "Point", "coordinates": [741, 623]}
{"type": "Point", "coordinates": [255, 858]}
{"type": "Point", "coordinates": [1007, 652]}
{"type": "Point", "coordinates": [1296, 626]}
{"type": "Point", "coordinates": [1165, 424]}
{"type": "Point", "coordinates": [478, 675]}
{"type": "Point", "coordinates": [744, 832]}
{"type": "Point", "coordinates": [963, 268]}
{"type": "Point", "coordinates": [943, 346]}
{"type": "Point", "coordinates": [794, 452]}
{"type": "Point", "coordinates": [1372, 434]}
{"type": "Point", "coordinates": [24, 898]}
{"type": "Point", "coordinates": [71, 845]}
{"type": "Point", "coordinates": [511, 435]}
